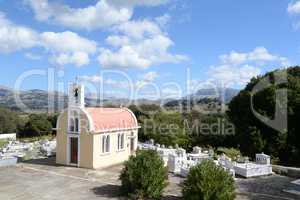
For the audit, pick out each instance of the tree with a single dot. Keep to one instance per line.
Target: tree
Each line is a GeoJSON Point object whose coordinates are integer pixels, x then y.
{"type": "Point", "coordinates": [8, 121]}
{"type": "Point", "coordinates": [144, 176]}
{"type": "Point", "coordinates": [53, 120]}
{"type": "Point", "coordinates": [37, 125]}
{"type": "Point", "coordinates": [252, 135]}
{"type": "Point", "coordinates": [207, 181]}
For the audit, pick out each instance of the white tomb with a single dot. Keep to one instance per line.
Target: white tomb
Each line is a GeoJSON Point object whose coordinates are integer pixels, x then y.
{"type": "Point", "coordinates": [179, 162]}
{"type": "Point", "coordinates": [261, 167]}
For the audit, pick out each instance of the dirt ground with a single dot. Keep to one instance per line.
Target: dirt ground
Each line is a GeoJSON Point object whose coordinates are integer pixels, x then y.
{"type": "Point", "coordinates": [44, 180]}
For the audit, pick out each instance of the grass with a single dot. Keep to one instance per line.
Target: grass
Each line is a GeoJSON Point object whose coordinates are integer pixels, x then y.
{"type": "Point", "coordinates": [3, 142]}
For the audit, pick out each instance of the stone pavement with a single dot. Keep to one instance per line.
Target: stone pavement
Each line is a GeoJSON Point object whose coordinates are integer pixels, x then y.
{"type": "Point", "coordinates": [264, 188]}
{"type": "Point", "coordinates": [44, 180]}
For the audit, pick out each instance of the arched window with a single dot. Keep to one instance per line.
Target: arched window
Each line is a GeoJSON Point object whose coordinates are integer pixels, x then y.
{"type": "Point", "coordinates": [108, 143]}
{"type": "Point", "coordinates": [121, 138]}
{"type": "Point", "coordinates": [72, 125]}
{"type": "Point", "coordinates": [74, 122]}
{"type": "Point", "coordinates": [105, 144]}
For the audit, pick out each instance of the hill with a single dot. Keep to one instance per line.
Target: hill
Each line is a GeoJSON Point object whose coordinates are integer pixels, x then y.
{"type": "Point", "coordinates": [204, 100]}
{"type": "Point", "coordinates": [222, 94]}
{"type": "Point", "coordinates": [37, 100]}
{"type": "Point", "coordinates": [40, 100]}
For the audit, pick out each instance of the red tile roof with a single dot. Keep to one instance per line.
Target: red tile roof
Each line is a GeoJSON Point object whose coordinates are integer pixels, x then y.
{"type": "Point", "coordinates": [108, 119]}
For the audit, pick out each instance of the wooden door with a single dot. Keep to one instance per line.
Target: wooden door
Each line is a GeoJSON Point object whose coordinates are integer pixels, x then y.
{"type": "Point", "coordinates": [73, 150]}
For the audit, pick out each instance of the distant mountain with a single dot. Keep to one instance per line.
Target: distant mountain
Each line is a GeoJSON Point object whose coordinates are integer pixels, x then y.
{"type": "Point", "coordinates": [4, 91]}
{"type": "Point", "coordinates": [40, 100]}
{"type": "Point", "coordinates": [204, 100]}
{"type": "Point", "coordinates": [223, 94]}
{"type": "Point", "coordinates": [37, 100]}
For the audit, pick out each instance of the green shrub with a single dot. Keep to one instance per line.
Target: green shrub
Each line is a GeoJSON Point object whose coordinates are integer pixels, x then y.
{"type": "Point", "coordinates": [230, 152]}
{"type": "Point", "coordinates": [3, 142]}
{"type": "Point", "coordinates": [207, 181]}
{"type": "Point", "coordinates": [144, 176]}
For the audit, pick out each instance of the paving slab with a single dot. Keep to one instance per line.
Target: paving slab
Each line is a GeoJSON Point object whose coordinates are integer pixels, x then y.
{"type": "Point", "coordinates": [44, 180]}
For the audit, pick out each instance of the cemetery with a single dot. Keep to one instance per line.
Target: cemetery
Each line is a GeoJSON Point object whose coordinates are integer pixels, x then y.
{"type": "Point", "coordinates": [176, 159]}
{"type": "Point", "coordinates": [102, 183]}
{"type": "Point", "coordinates": [15, 150]}
{"type": "Point", "coordinates": [179, 161]}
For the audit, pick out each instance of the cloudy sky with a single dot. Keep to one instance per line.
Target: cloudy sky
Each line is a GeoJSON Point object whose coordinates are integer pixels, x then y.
{"type": "Point", "coordinates": [146, 45]}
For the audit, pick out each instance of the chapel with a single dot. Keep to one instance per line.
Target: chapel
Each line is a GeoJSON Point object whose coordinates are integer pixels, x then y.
{"type": "Point", "coordinates": [94, 137]}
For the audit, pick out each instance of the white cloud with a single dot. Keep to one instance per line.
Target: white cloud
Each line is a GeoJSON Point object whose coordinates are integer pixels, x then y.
{"type": "Point", "coordinates": [163, 20]}
{"type": "Point", "coordinates": [147, 78]}
{"type": "Point", "coordinates": [150, 76]}
{"type": "Point", "coordinates": [227, 75]}
{"type": "Point", "coordinates": [67, 42]}
{"type": "Point", "coordinates": [141, 44]}
{"type": "Point", "coordinates": [123, 84]}
{"type": "Point", "coordinates": [32, 56]}
{"type": "Point", "coordinates": [140, 84]}
{"type": "Point", "coordinates": [104, 13]}
{"type": "Point", "coordinates": [14, 37]}
{"type": "Point", "coordinates": [77, 58]}
{"type": "Point", "coordinates": [171, 91]}
{"type": "Point", "coordinates": [132, 3]}
{"type": "Point", "coordinates": [68, 48]}
{"type": "Point", "coordinates": [100, 15]}
{"type": "Point", "coordinates": [137, 44]}
{"type": "Point", "coordinates": [259, 54]}
{"type": "Point", "coordinates": [144, 79]}
{"type": "Point", "coordinates": [139, 29]}
{"type": "Point", "coordinates": [64, 48]}
{"type": "Point", "coordinates": [194, 85]}
{"type": "Point", "coordinates": [125, 57]}
{"type": "Point", "coordinates": [233, 58]}
{"type": "Point", "coordinates": [117, 41]}
{"type": "Point", "coordinates": [94, 78]}
{"type": "Point", "coordinates": [238, 68]}
{"type": "Point", "coordinates": [294, 7]}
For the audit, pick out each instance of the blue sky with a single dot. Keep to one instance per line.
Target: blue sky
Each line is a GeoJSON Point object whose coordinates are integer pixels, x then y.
{"type": "Point", "coordinates": [157, 44]}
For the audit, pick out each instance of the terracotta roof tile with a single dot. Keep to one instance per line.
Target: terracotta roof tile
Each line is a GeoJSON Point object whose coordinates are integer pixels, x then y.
{"type": "Point", "coordinates": [106, 119]}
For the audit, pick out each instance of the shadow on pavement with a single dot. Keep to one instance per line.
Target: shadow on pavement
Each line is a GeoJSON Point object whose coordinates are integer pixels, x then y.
{"type": "Point", "coordinates": [113, 191]}
{"type": "Point", "coordinates": [109, 191]}
{"type": "Point", "coordinates": [51, 161]}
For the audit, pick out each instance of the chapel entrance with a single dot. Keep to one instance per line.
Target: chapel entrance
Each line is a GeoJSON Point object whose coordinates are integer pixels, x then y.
{"type": "Point", "coordinates": [74, 150]}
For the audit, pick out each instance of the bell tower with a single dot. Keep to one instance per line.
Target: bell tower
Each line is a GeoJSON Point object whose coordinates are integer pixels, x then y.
{"type": "Point", "coordinates": [76, 96]}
